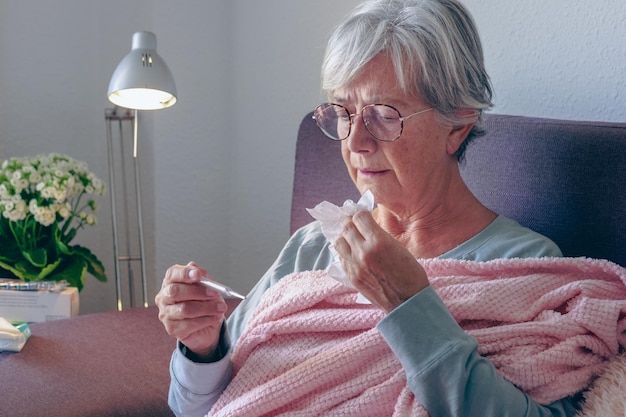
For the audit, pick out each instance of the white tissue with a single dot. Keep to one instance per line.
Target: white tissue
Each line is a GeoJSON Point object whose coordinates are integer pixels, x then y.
{"type": "Point", "coordinates": [331, 218]}
{"type": "Point", "coordinates": [11, 338]}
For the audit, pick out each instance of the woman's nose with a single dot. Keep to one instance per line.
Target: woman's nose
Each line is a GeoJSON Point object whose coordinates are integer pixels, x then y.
{"type": "Point", "coordinates": [360, 139]}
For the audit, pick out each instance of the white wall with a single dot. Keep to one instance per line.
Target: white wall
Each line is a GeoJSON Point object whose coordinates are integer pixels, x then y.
{"type": "Point", "coordinates": [217, 167]}
{"type": "Point", "coordinates": [558, 58]}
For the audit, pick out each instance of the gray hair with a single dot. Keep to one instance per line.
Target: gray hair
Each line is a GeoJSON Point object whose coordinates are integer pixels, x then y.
{"type": "Point", "coordinates": [435, 50]}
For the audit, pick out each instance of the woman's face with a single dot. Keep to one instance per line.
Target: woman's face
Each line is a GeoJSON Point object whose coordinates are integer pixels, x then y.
{"type": "Point", "coordinates": [406, 176]}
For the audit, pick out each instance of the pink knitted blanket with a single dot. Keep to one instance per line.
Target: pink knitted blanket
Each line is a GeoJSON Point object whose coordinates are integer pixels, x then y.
{"type": "Point", "coordinates": [549, 325]}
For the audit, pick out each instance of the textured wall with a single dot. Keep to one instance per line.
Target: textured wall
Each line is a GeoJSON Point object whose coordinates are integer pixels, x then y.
{"type": "Point", "coordinates": [558, 58]}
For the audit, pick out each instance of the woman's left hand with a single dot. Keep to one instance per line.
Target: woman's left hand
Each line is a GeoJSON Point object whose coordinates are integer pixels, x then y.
{"type": "Point", "coordinates": [379, 266]}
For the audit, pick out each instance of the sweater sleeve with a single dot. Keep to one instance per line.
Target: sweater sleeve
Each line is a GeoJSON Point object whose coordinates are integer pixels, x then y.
{"type": "Point", "coordinates": [195, 387]}
{"type": "Point", "coordinates": [445, 371]}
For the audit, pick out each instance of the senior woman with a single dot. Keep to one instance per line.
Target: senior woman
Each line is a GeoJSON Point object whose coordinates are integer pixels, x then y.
{"type": "Point", "coordinates": [407, 88]}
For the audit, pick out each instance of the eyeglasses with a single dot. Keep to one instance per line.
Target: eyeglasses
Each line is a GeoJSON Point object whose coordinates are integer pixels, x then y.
{"type": "Point", "coordinates": [382, 121]}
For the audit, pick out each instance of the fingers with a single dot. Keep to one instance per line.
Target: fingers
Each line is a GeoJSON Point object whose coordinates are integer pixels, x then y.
{"type": "Point", "coordinates": [182, 296]}
{"type": "Point", "coordinates": [199, 334]}
{"type": "Point", "coordinates": [359, 232]}
{"type": "Point", "coordinates": [189, 273]}
{"type": "Point", "coordinates": [184, 318]}
{"type": "Point", "coordinates": [181, 284]}
{"type": "Point", "coordinates": [364, 221]}
{"type": "Point", "coordinates": [183, 324]}
{"type": "Point", "coordinates": [187, 309]}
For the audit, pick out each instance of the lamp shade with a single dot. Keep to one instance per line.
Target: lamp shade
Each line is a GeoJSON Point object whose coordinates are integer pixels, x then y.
{"type": "Point", "coordinates": [142, 80]}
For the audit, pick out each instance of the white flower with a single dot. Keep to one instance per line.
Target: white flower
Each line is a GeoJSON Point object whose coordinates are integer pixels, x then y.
{"type": "Point", "coordinates": [59, 194]}
{"type": "Point", "coordinates": [47, 189]}
{"type": "Point", "coordinates": [32, 206]}
{"type": "Point", "coordinates": [45, 216]}
{"type": "Point", "coordinates": [47, 192]}
{"type": "Point", "coordinates": [20, 207]}
{"type": "Point", "coordinates": [18, 182]}
{"type": "Point", "coordinates": [14, 215]}
{"type": "Point", "coordinates": [64, 211]}
{"type": "Point", "coordinates": [35, 177]}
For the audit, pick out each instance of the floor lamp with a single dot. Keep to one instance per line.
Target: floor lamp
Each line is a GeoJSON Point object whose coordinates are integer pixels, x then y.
{"type": "Point", "coordinates": [141, 81]}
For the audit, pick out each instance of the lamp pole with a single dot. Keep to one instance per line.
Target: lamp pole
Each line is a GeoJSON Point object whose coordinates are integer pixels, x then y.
{"type": "Point", "coordinates": [141, 81]}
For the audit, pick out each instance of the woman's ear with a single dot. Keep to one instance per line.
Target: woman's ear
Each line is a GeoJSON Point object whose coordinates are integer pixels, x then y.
{"type": "Point", "coordinates": [458, 133]}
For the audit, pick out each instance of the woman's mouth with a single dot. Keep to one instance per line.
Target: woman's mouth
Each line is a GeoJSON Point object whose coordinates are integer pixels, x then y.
{"type": "Point", "coordinates": [371, 173]}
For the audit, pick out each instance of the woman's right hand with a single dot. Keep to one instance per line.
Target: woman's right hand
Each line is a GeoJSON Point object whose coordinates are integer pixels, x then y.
{"type": "Point", "coordinates": [191, 312]}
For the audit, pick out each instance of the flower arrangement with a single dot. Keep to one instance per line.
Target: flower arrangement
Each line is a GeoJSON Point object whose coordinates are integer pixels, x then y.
{"type": "Point", "coordinates": [42, 206]}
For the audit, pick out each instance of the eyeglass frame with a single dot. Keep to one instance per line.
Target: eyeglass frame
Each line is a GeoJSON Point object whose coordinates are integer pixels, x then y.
{"type": "Point", "coordinates": [351, 117]}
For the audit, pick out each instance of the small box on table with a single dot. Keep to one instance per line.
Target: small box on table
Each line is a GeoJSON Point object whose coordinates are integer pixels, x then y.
{"type": "Point", "coordinates": [38, 306]}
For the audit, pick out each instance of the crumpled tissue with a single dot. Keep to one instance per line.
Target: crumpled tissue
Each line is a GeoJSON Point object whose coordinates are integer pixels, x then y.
{"type": "Point", "coordinates": [13, 338]}
{"type": "Point", "coordinates": [331, 218]}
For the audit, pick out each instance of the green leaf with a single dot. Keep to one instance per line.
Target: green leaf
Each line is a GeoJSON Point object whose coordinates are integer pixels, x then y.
{"type": "Point", "coordinates": [94, 266]}
{"type": "Point", "coordinates": [25, 271]}
{"type": "Point", "coordinates": [48, 269]}
{"type": "Point", "coordinates": [63, 248]}
{"type": "Point", "coordinates": [10, 255]}
{"type": "Point", "coordinates": [9, 267]}
{"type": "Point", "coordinates": [38, 257]}
{"type": "Point", "coordinates": [68, 238]}
{"type": "Point", "coordinates": [73, 270]}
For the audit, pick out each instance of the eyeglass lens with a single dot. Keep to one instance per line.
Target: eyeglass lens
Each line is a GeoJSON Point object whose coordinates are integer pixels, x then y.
{"type": "Point", "coordinates": [382, 121]}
